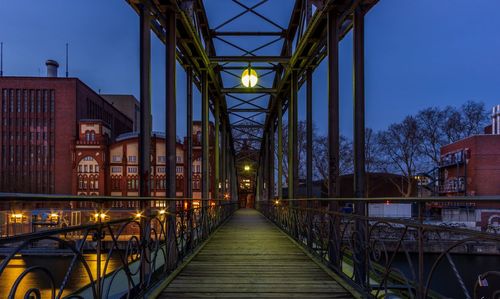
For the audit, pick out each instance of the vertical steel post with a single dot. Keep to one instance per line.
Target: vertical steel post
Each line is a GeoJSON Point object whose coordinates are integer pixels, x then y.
{"type": "Point", "coordinates": [280, 150]}
{"type": "Point", "coordinates": [309, 144]}
{"type": "Point", "coordinates": [223, 163]}
{"type": "Point", "coordinates": [216, 149]}
{"type": "Point", "coordinates": [188, 163]}
{"type": "Point", "coordinates": [292, 138]}
{"type": "Point", "coordinates": [359, 139]}
{"type": "Point", "coordinates": [189, 139]}
{"type": "Point", "coordinates": [171, 137]}
{"type": "Point", "coordinates": [204, 136]}
{"type": "Point", "coordinates": [309, 132]}
{"type": "Point", "coordinates": [333, 135]}
{"type": "Point", "coordinates": [264, 165]}
{"type": "Point", "coordinates": [145, 103]}
{"type": "Point", "coordinates": [271, 162]}
{"type": "Point", "coordinates": [145, 127]}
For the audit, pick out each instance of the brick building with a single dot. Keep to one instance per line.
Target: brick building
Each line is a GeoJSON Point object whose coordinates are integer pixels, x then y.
{"type": "Point", "coordinates": [471, 167]}
{"type": "Point", "coordinates": [39, 126]}
{"type": "Point", "coordinates": [106, 166]}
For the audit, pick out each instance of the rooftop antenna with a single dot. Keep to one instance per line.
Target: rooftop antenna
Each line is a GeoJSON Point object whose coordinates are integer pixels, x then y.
{"type": "Point", "coordinates": [66, 60]}
{"type": "Point", "coordinates": [1, 59]}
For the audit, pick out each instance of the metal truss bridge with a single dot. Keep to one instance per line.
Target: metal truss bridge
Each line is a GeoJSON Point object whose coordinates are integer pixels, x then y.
{"type": "Point", "coordinates": [249, 125]}
{"type": "Point", "coordinates": [281, 247]}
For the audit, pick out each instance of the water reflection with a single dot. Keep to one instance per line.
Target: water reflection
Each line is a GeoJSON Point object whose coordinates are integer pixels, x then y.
{"type": "Point", "coordinates": [57, 266]}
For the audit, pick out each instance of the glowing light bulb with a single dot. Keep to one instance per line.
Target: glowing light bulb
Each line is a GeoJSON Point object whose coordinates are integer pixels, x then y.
{"type": "Point", "coordinates": [249, 77]}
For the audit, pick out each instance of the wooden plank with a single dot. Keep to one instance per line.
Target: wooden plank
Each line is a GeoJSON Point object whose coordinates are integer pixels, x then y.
{"type": "Point", "coordinates": [250, 258]}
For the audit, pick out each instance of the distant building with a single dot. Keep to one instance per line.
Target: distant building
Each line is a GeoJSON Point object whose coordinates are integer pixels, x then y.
{"type": "Point", "coordinates": [104, 166]}
{"type": "Point", "coordinates": [471, 167]}
{"type": "Point", "coordinates": [127, 104]}
{"type": "Point", "coordinates": [39, 125]}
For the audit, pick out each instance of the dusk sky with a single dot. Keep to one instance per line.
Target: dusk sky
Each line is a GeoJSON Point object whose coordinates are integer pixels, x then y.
{"type": "Point", "coordinates": [418, 53]}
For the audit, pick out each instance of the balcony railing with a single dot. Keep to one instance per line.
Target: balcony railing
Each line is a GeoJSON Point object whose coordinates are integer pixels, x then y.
{"type": "Point", "coordinates": [83, 247]}
{"type": "Point", "coordinates": [401, 256]}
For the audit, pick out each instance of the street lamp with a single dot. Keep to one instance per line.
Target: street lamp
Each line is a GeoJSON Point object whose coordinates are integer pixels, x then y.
{"type": "Point", "coordinates": [249, 77]}
{"type": "Point", "coordinates": [247, 168]}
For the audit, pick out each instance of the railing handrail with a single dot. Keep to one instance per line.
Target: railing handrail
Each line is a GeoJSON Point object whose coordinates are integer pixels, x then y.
{"type": "Point", "coordinates": [408, 222]}
{"type": "Point", "coordinates": [91, 226]}
{"type": "Point", "coordinates": [489, 198]}
{"type": "Point", "coordinates": [63, 197]}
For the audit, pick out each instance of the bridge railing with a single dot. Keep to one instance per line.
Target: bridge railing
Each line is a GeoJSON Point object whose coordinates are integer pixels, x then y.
{"type": "Point", "coordinates": [398, 247]}
{"type": "Point", "coordinates": [98, 247]}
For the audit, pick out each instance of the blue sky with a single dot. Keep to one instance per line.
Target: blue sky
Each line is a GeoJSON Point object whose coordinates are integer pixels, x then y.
{"type": "Point", "coordinates": [418, 54]}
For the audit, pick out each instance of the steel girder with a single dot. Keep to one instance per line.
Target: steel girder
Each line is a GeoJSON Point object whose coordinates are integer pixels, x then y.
{"type": "Point", "coordinates": [196, 50]}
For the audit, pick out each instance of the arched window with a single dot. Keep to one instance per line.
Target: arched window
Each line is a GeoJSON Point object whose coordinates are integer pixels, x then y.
{"type": "Point", "coordinates": [86, 168]}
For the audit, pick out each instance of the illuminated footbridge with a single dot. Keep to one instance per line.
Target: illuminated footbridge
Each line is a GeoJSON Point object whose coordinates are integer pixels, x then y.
{"type": "Point", "coordinates": [240, 236]}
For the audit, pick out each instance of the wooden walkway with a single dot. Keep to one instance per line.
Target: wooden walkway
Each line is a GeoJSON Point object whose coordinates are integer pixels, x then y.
{"type": "Point", "coordinates": [249, 257]}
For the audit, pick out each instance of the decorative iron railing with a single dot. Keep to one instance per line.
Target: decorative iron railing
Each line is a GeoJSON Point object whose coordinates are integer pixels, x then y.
{"type": "Point", "coordinates": [402, 256]}
{"type": "Point", "coordinates": [119, 248]}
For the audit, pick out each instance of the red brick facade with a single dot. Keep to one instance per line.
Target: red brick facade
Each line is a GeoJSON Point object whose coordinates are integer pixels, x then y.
{"type": "Point", "coordinates": [116, 162]}
{"type": "Point", "coordinates": [39, 128]}
{"type": "Point", "coordinates": [471, 167]}
{"type": "Point", "coordinates": [480, 167]}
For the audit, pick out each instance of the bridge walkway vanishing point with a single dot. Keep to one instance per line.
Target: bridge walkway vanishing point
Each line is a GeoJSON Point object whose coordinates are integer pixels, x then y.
{"type": "Point", "coordinates": [249, 257]}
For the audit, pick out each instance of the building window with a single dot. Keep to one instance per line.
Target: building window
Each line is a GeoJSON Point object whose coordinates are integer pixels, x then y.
{"type": "Point", "coordinates": [161, 159]}
{"type": "Point", "coordinates": [178, 159]}
{"type": "Point", "coordinates": [116, 169]}
{"type": "Point", "coordinates": [161, 170]}
{"type": "Point", "coordinates": [198, 168]}
{"type": "Point", "coordinates": [132, 184]}
{"type": "Point", "coordinates": [115, 183]}
{"type": "Point", "coordinates": [116, 159]}
{"type": "Point", "coordinates": [132, 159]}
{"type": "Point", "coordinates": [132, 169]}
{"type": "Point", "coordinates": [18, 101]}
{"type": "Point", "coordinates": [179, 169]}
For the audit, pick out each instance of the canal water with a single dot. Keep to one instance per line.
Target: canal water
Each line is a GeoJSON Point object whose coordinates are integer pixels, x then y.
{"type": "Point", "coordinates": [57, 267]}
{"type": "Point", "coordinates": [444, 280]}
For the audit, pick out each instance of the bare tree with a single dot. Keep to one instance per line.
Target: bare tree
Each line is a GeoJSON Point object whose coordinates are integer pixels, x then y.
{"type": "Point", "coordinates": [320, 158]}
{"type": "Point", "coordinates": [301, 148]}
{"type": "Point", "coordinates": [431, 123]}
{"type": "Point", "coordinates": [474, 117]}
{"type": "Point", "coordinates": [400, 145]}
{"type": "Point", "coordinates": [439, 127]}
